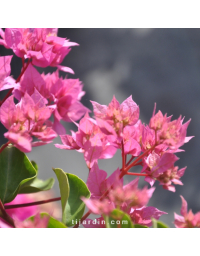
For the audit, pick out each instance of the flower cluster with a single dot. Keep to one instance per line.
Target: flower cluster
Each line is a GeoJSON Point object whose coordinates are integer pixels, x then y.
{"type": "Point", "coordinates": [39, 96]}
{"type": "Point", "coordinates": [117, 126]}
{"type": "Point", "coordinates": [128, 198]}
{"type": "Point", "coordinates": [42, 45]}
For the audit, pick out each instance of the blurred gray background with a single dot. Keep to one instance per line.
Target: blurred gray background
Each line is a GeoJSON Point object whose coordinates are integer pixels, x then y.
{"type": "Point", "coordinates": [152, 65]}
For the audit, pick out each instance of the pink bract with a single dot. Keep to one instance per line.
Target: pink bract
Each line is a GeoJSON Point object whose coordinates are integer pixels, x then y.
{"type": "Point", "coordinates": [6, 82]}
{"type": "Point", "coordinates": [26, 119]}
{"type": "Point", "coordinates": [63, 95]}
{"type": "Point", "coordinates": [21, 214]}
{"type": "Point", "coordinates": [162, 168]}
{"type": "Point", "coordinates": [38, 222]}
{"type": "Point", "coordinates": [116, 115]}
{"type": "Point", "coordinates": [42, 45]}
{"type": "Point", "coordinates": [188, 219]}
{"type": "Point", "coordinates": [144, 215]}
{"type": "Point", "coordinates": [89, 140]}
{"type": "Point", "coordinates": [171, 133]}
{"type": "Point", "coordinates": [97, 182]}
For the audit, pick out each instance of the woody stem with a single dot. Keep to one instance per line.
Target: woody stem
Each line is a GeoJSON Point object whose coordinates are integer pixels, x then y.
{"type": "Point", "coordinates": [31, 204]}
{"type": "Point", "coordinates": [123, 156]}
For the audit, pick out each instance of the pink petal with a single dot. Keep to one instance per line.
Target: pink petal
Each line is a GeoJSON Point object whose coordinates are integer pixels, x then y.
{"type": "Point", "coordinates": [149, 180]}
{"type": "Point", "coordinates": [184, 207]}
{"type": "Point", "coordinates": [6, 112]}
{"type": "Point", "coordinates": [65, 69]}
{"type": "Point", "coordinates": [99, 110]}
{"type": "Point", "coordinates": [179, 221]}
{"type": "Point", "coordinates": [19, 141]}
{"type": "Point", "coordinates": [95, 178]}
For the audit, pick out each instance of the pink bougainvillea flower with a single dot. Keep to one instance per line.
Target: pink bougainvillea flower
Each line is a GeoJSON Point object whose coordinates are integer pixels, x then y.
{"type": "Point", "coordinates": [159, 164]}
{"type": "Point", "coordinates": [174, 133]}
{"type": "Point", "coordinates": [162, 168]}
{"type": "Point", "coordinates": [26, 119]}
{"type": "Point", "coordinates": [63, 95]}
{"type": "Point", "coordinates": [38, 222]}
{"type": "Point", "coordinates": [21, 214]}
{"type": "Point", "coordinates": [171, 133]}
{"type": "Point", "coordinates": [97, 182]}
{"type": "Point", "coordinates": [170, 176]}
{"type": "Point", "coordinates": [123, 197]}
{"type": "Point", "coordinates": [96, 206]}
{"type": "Point", "coordinates": [130, 196]}
{"type": "Point", "coordinates": [30, 81]}
{"type": "Point", "coordinates": [131, 145]}
{"type": "Point", "coordinates": [66, 95]}
{"type": "Point", "coordinates": [6, 82]}
{"type": "Point", "coordinates": [116, 116]}
{"type": "Point", "coordinates": [89, 140]}
{"type": "Point", "coordinates": [42, 45]}
{"type": "Point", "coordinates": [188, 219]}
{"type": "Point", "coordinates": [147, 138]}
{"type": "Point", "coordinates": [157, 120]}
{"type": "Point", "coordinates": [144, 215]}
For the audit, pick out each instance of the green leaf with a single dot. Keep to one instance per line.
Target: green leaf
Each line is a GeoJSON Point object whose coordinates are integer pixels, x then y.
{"type": "Point", "coordinates": [158, 224]}
{"type": "Point", "coordinates": [35, 165]}
{"type": "Point", "coordinates": [71, 189]}
{"type": "Point", "coordinates": [118, 219]}
{"type": "Point", "coordinates": [53, 223]}
{"type": "Point", "coordinates": [75, 206]}
{"type": "Point", "coordinates": [139, 226]}
{"type": "Point", "coordinates": [15, 170]}
{"type": "Point", "coordinates": [64, 188]}
{"type": "Point", "coordinates": [36, 185]}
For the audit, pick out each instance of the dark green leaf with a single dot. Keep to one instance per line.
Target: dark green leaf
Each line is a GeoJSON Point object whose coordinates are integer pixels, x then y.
{"type": "Point", "coordinates": [15, 170]}
{"type": "Point", "coordinates": [118, 219]}
{"type": "Point", "coordinates": [36, 185]}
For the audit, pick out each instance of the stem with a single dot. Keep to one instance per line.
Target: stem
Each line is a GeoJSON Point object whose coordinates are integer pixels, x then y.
{"type": "Point", "coordinates": [18, 79]}
{"type": "Point", "coordinates": [155, 136]}
{"type": "Point", "coordinates": [136, 174]}
{"type": "Point", "coordinates": [31, 204]}
{"type": "Point", "coordinates": [123, 157]}
{"type": "Point", "coordinates": [138, 159]}
{"type": "Point", "coordinates": [23, 70]}
{"type": "Point", "coordinates": [130, 160]}
{"type": "Point", "coordinates": [4, 146]}
{"type": "Point", "coordinates": [23, 62]}
{"type": "Point", "coordinates": [4, 215]}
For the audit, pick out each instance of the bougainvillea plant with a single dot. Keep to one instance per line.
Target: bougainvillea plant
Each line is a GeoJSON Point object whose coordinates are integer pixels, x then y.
{"type": "Point", "coordinates": [33, 100]}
